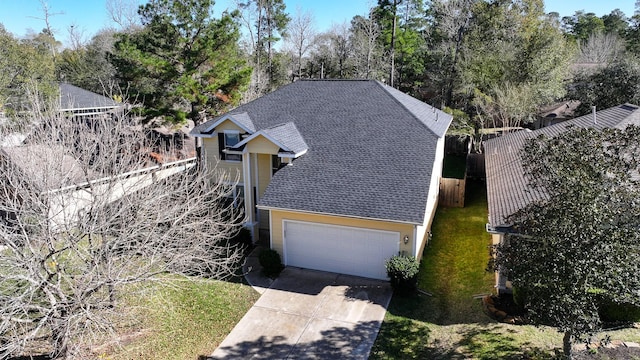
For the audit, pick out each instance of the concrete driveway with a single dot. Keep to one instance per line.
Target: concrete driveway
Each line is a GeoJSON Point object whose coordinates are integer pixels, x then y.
{"type": "Point", "coordinates": [307, 314]}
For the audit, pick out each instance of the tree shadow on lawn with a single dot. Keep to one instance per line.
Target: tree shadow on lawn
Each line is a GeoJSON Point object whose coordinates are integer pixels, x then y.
{"type": "Point", "coordinates": [420, 327]}
{"type": "Point", "coordinates": [490, 341]}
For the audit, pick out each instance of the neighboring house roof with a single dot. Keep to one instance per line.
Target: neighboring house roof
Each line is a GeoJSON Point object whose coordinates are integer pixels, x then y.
{"type": "Point", "coordinates": [562, 110]}
{"type": "Point", "coordinates": [371, 148]}
{"type": "Point", "coordinates": [75, 98]}
{"type": "Point", "coordinates": [47, 167]}
{"type": "Point", "coordinates": [507, 188]}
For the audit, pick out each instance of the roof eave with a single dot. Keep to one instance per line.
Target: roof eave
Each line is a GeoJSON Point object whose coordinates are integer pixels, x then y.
{"type": "Point", "coordinates": [263, 207]}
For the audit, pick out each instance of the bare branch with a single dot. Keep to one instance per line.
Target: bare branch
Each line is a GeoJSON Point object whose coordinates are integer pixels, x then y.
{"type": "Point", "coordinates": [85, 213]}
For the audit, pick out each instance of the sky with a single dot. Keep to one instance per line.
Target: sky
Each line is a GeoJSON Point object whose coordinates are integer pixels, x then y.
{"type": "Point", "coordinates": [89, 16]}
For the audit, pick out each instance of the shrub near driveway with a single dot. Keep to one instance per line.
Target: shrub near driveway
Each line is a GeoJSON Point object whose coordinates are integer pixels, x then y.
{"type": "Point", "coordinates": [451, 324]}
{"type": "Point", "coordinates": [453, 270]}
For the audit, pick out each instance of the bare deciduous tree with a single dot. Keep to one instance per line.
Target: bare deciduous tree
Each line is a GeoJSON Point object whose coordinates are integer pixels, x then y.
{"type": "Point", "coordinates": [76, 37]}
{"type": "Point", "coordinates": [79, 222]}
{"type": "Point", "coordinates": [124, 13]}
{"type": "Point", "coordinates": [600, 48]}
{"type": "Point", "coordinates": [510, 107]}
{"type": "Point", "coordinates": [300, 36]}
{"type": "Point", "coordinates": [366, 48]}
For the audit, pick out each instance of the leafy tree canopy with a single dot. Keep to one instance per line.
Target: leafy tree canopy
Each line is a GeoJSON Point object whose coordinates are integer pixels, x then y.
{"type": "Point", "coordinates": [580, 245]}
{"type": "Point", "coordinates": [26, 71]}
{"type": "Point", "coordinates": [183, 62]}
{"type": "Point", "coordinates": [615, 84]}
{"type": "Point", "coordinates": [528, 55]}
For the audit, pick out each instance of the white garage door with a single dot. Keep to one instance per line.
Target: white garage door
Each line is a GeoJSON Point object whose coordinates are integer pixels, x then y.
{"type": "Point", "coordinates": [340, 249]}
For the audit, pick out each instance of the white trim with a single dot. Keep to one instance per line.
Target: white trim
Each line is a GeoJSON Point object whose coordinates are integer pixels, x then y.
{"type": "Point", "coordinates": [284, 242]}
{"type": "Point", "coordinates": [261, 132]}
{"type": "Point", "coordinates": [233, 152]}
{"type": "Point", "coordinates": [248, 204]}
{"type": "Point", "coordinates": [262, 207]}
{"type": "Point", "coordinates": [92, 107]}
{"type": "Point", "coordinates": [292, 156]}
{"type": "Point", "coordinates": [208, 136]}
{"type": "Point", "coordinates": [255, 210]}
{"type": "Point", "coordinates": [271, 229]}
{"type": "Point", "coordinates": [223, 119]}
{"type": "Point", "coordinates": [415, 241]}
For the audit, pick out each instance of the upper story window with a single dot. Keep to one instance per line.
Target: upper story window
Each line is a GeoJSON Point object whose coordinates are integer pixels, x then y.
{"type": "Point", "coordinates": [225, 141]}
{"type": "Point", "coordinates": [230, 139]}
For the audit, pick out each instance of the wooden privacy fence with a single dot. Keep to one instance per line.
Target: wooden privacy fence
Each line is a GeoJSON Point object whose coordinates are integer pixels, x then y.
{"type": "Point", "coordinates": [475, 166]}
{"type": "Point", "coordinates": [452, 192]}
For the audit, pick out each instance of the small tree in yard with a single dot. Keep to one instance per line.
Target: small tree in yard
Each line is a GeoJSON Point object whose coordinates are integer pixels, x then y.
{"type": "Point", "coordinates": [66, 253]}
{"type": "Point", "coordinates": [581, 243]}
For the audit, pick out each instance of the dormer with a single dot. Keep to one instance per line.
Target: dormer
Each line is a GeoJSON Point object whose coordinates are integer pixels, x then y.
{"type": "Point", "coordinates": [240, 122]}
{"type": "Point", "coordinates": [283, 140]}
{"type": "Point", "coordinates": [230, 130]}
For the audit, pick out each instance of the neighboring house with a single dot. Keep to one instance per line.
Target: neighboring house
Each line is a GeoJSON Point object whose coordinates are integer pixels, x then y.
{"type": "Point", "coordinates": [507, 188]}
{"type": "Point", "coordinates": [342, 174]}
{"type": "Point", "coordinates": [78, 102]}
{"type": "Point", "coordinates": [556, 113]}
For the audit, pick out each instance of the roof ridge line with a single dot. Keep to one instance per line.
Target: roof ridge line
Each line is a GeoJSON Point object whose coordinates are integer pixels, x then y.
{"type": "Point", "coordinates": [382, 86]}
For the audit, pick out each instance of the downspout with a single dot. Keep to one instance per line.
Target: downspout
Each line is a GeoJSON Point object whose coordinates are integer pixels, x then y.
{"type": "Point", "coordinates": [415, 241]}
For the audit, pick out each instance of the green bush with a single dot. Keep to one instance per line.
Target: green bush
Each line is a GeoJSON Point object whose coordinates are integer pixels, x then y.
{"type": "Point", "coordinates": [271, 262]}
{"type": "Point", "coordinates": [403, 273]}
{"type": "Point", "coordinates": [612, 313]}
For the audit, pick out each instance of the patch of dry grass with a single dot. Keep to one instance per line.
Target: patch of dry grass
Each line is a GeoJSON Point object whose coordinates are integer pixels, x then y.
{"type": "Point", "coordinates": [184, 321]}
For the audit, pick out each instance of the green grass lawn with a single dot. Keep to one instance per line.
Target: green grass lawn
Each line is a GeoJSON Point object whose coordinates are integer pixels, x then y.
{"type": "Point", "coordinates": [450, 324]}
{"type": "Point", "coordinates": [185, 321]}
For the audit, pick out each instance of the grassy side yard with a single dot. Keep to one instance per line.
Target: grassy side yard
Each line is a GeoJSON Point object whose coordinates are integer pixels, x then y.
{"type": "Point", "coordinates": [185, 321]}
{"type": "Point", "coordinates": [450, 324]}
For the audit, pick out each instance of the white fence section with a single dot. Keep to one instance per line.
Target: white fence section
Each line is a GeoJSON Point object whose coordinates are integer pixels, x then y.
{"type": "Point", "coordinates": [66, 203]}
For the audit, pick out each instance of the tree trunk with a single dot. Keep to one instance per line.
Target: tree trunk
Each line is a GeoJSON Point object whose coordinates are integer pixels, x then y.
{"type": "Point", "coordinates": [566, 345]}
{"type": "Point", "coordinates": [258, 42]}
{"type": "Point", "coordinates": [393, 43]}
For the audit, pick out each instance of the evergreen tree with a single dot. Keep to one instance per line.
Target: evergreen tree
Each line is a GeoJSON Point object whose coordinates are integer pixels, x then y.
{"type": "Point", "coordinates": [183, 62]}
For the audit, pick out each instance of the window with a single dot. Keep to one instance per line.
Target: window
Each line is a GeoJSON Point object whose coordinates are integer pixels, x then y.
{"type": "Point", "coordinates": [227, 140]}
{"type": "Point", "coordinates": [235, 194]}
{"type": "Point", "coordinates": [230, 139]}
{"type": "Point", "coordinates": [276, 164]}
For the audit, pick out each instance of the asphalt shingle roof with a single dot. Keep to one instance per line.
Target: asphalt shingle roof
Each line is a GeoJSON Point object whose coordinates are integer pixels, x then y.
{"type": "Point", "coordinates": [244, 120]}
{"type": "Point", "coordinates": [371, 148]}
{"type": "Point", "coordinates": [507, 188]}
{"type": "Point", "coordinates": [73, 97]}
{"type": "Point", "coordinates": [288, 135]}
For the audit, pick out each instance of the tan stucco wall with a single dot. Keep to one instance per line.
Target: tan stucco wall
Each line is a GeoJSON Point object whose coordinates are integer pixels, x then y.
{"type": "Point", "coordinates": [232, 169]}
{"type": "Point", "coordinates": [501, 281]}
{"type": "Point", "coordinates": [228, 125]}
{"type": "Point", "coordinates": [262, 145]}
{"type": "Point", "coordinates": [264, 177]}
{"type": "Point", "coordinates": [278, 215]}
